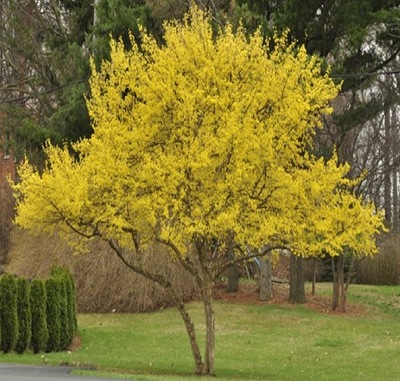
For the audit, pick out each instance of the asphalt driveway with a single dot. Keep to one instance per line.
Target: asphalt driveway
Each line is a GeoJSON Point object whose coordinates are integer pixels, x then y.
{"type": "Point", "coordinates": [9, 372]}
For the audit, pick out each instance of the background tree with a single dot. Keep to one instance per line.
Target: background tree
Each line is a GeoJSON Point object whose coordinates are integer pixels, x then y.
{"type": "Point", "coordinates": [119, 19]}
{"type": "Point", "coordinates": [45, 49]}
{"type": "Point", "coordinates": [360, 39]}
{"type": "Point", "coordinates": [194, 142]}
{"type": "Point", "coordinates": [297, 291]}
{"type": "Point", "coordinates": [42, 68]}
{"type": "Point", "coordinates": [266, 292]}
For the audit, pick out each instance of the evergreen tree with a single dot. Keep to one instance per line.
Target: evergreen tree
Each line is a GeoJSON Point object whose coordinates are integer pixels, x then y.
{"type": "Point", "coordinates": [8, 313]}
{"type": "Point", "coordinates": [53, 314]}
{"type": "Point", "coordinates": [66, 334]}
{"type": "Point", "coordinates": [40, 333]}
{"type": "Point", "coordinates": [44, 65]}
{"type": "Point", "coordinates": [24, 315]}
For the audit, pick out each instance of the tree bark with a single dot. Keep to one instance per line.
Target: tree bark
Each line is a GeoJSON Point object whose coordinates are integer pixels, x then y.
{"type": "Point", "coordinates": [339, 289]}
{"type": "Point", "coordinates": [233, 271]}
{"type": "Point", "coordinates": [233, 279]}
{"type": "Point", "coordinates": [395, 192]}
{"type": "Point", "coordinates": [297, 293]}
{"type": "Point", "coordinates": [265, 278]}
{"type": "Point", "coordinates": [342, 292]}
{"type": "Point", "coordinates": [205, 279]}
{"type": "Point", "coordinates": [335, 286]}
{"type": "Point", "coordinates": [200, 366]}
{"type": "Point", "coordinates": [314, 277]}
{"type": "Point", "coordinates": [209, 357]}
{"type": "Point", "coordinates": [387, 171]}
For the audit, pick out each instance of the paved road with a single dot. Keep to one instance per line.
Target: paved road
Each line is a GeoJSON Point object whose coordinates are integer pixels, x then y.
{"type": "Point", "coordinates": [10, 372]}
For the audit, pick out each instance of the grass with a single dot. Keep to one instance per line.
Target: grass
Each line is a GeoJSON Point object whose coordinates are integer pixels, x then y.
{"type": "Point", "coordinates": [277, 342]}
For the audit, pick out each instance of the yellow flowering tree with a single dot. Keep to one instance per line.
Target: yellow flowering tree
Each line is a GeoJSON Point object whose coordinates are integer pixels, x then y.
{"type": "Point", "coordinates": [196, 144]}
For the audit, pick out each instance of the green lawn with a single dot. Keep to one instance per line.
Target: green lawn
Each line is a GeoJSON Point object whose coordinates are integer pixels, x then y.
{"type": "Point", "coordinates": [254, 342]}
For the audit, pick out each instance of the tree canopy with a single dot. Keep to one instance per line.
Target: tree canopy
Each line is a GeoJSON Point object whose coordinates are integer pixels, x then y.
{"type": "Point", "coordinates": [197, 141]}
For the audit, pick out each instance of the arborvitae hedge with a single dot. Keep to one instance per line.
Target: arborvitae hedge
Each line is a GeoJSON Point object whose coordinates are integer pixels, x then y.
{"type": "Point", "coordinates": [71, 300]}
{"type": "Point", "coordinates": [66, 278]}
{"type": "Point", "coordinates": [40, 334]}
{"type": "Point", "coordinates": [24, 315]}
{"type": "Point", "coordinates": [8, 313]}
{"type": "Point", "coordinates": [53, 314]}
{"type": "Point", "coordinates": [65, 335]}
{"type": "Point", "coordinates": [38, 315]}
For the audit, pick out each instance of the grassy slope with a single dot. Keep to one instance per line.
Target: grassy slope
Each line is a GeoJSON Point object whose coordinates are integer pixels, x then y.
{"type": "Point", "coordinates": [254, 342]}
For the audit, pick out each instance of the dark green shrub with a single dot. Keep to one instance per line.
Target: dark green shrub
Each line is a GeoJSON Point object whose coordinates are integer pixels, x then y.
{"type": "Point", "coordinates": [70, 321]}
{"type": "Point", "coordinates": [8, 313]}
{"type": "Point", "coordinates": [53, 312]}
{"type": "Point", "coordinates": [66, 335]}
{"type": "Point", "coordinates": [71, 299]}
{"type": "Point", "coordinates": [38, 310]}
{"type": "Point", "coordinates": [24, 315]}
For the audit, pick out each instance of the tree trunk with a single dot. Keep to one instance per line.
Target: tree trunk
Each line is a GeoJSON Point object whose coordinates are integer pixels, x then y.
{"type": "Point", "coordinates": [233, 279]}
{"type": "Point", "coordinates": [205, 280]}
{"type": "Point", "coordinates": [395, 214]}
{"type": "Point", "coordinates": [395, 192]}
{"type": "Point", "coordinates": [209, 357]}
{"type": "Point", "coordinates": [95, 15]}
{"type": "Point", "coordinates": [199, 365]}
{"type": "Point", "coordinates": [207, 289]}
{"type": "Point", "coordinates": [265, 278]}
{"type": "Point", "coordinates": [314, 277]}
{"type": "Point", "coordinates": [335, 284]}
{"type": "Point", "coordinates": [339, 289]}
{"type": "Point", "coordinates": [387, 172]}
{"type": "Point", "coordinates": [233, 271]}
{"type": "Point", "coordinates": [342, 299]}
{"type": "Point", "coordinates": [297, 293]}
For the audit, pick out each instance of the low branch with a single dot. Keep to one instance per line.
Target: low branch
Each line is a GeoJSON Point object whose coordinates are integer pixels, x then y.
{"type": "Point", "coordinates": [186, 263]}
{"type": "Point", "coordinates": [157, 278]}
{"type": "Point", "coordinates": [75, 229]}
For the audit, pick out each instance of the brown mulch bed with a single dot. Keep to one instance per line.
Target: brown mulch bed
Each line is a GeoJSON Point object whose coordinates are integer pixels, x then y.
{"type": "Point", "coordinates": [248, 294]}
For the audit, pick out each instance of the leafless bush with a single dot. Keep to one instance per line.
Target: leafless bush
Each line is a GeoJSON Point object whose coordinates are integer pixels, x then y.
{"type": "Point", "coordinates": [384, 268]}
{"type": "Point", "coordinates": [6, 218]}
{"type": "Point", "coordinates": [103, 282]}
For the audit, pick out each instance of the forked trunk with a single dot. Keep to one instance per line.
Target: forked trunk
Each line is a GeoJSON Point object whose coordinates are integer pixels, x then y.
{"type": "Point", "coordinates": [206, 286]}
{"type": "Point", "coordinates": [199, 364]}
{"type": "Point", "coordinates": [202, 366]}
